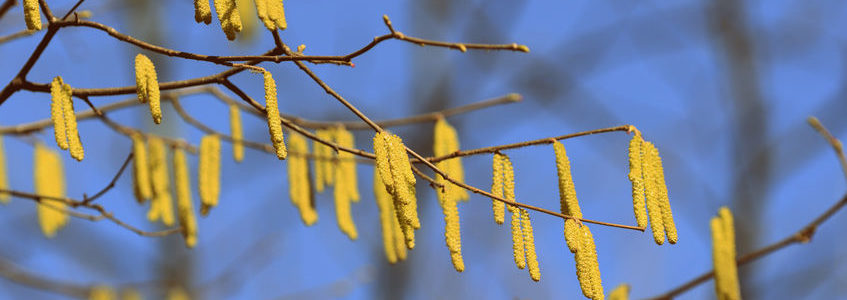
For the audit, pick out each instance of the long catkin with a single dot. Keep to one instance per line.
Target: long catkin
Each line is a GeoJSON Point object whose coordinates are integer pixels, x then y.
{"type": "Point", "coordinates": [346, 190]}
{"type": "Point", "coordinates": [298, 180]}
{"type": "Point", "coordinates": [161, 207]}
{"type": "Point", "coordinates": [4, 178]}
{"type": "Point", "coordinates": [497, 189]}
{"type": "Point", "coordinates": [393, 165]}
{"type": "Point", "coordinates": [654, 202]}
{"type": "Point", "coordinates": [446, 141]}
{"type": "Point", "coordinates": [274, 121]}
{"type": "Point", "coordinates": [140, 169]}
{"type": "Point", "coordinates": [588, 270]}
{"type": "Point", "coordinates": [147, 86]}
{"type": "Point", "coordinates": [664, 200]}
{"type": "Point", "coordinates": [49, 181]}
{"type": "Point", "coordinates": [567, 193]}
{"type": "Point", "coordinates": [236, 133]}
{"type": "Point", "coordinates": [529, 245]}
{"type": "Point", "coordinates": [32, 15]}
{"type": "Point", "coordinates": [74, 142]}
{"type": "Point", "coordinates": [387, 218]}
{"type": "Point", "coordinates": [518, 248]}
{"type": "Point", "coordinates": [227, 11]}
{"type": "Point", "coordinates": [636, 176]}
{"type": "Point", "coordinates": [202, 11]}
{"type": "Point", "coordinates": [723, 253]}
{"type": "Point", "coordinates": [209, 172]}
{"type": "Point", "coordinates": [452, 230]}
{"type": "Point", "coordinates": [325, 165]}
{"type": "Point", "coordinates": [185, 208]}
{"type": "Point", "coordinates": [57, 115]}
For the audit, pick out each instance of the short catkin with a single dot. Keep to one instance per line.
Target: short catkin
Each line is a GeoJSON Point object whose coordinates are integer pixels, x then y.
{"type": "Point", "coordinates": [185, 209]}
{"type": "Point", "coordinates": [202, 11]}
{"type": "Point", "coordinates": [49, 181]}
{"type": "Point", "coordinates": [497, 189]}
{"type": "Point", "coordinates": [236, 133]}
{"type": "Point", "coordinates": [209, 172]}
{"type": "Point", "coordinates": [298, 180]}
{"type": "Point", "coordinates": [161, 207]}
{"type": "Point", "coordinates": [4, 177]}
{"type": "Point", "coordinates": [32, 15]}
{"type": "Point", "coordinates": [147, 86]}
{"type": "Point", "coordinates": [140, 169]}
{"type": "Point", "coordinates": [227, 11]}
{"type": "Point", "coordinates": [274, 120]}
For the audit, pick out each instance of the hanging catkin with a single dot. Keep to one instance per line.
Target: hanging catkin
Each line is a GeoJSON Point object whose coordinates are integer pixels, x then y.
{"type": "Point", "coordinates": [346, 190]}
{"type": "Point", "coordinates": [663, 199]}
{"type": "Point", "coordinates": [299, 189]}
{"type": "Point", "coordinates": [272, 14]}
{"type": "Point", "coordinates": [209, 172]}
{"type": "Point", "coordinates": [32, 15]}
{"type": "Point", "coordinates": [147, 86]}
{"type": "Point", "coordinates": [50, 182]}
{"type": "Point", "coordinates": [446, 141]}
{"type": "Point", "coordinates": [529, 245]}
{"type": "Point", "coordinates": [723, 253]}
{"type": "Point", "coordinates": [236, 133]}
{"type": "Point", "coordinates": [395, 169]}
{"type": "Point", "coordinates": [588, 270]}
{"type": "Point", "coordinates": [497, 188]}
{"type": "Point", "coordinates": [636, 176]}
{"type": "Point", "coordinates": [140, 169]}
{"type": "Point", "coordinates": [452, 230]}
{"type": "Point", "coordinates": [4, 178]}
{"type": "Point", "coordinates": [386, 217]}
{"type": "Point", "coordinates": [324, 165]}
{"type": "Point", "coordinates": [57, 115]}
{"type": "Point", "coordinates": [654, 202]}
{"type": "Point", "coordinates": [227, 11]}
{"type": "Point", "coordinates": [509, 194]}
{"type": "Point", "coordinates": [161, 207]}
{"type": "Point", "coordinates": [202, 11]}
{"type": "Point", "coordinates": [567, 197]}
{"type": "Point", "coordinates": [185, 209]}
{"type": "Point", "coordinates": [621, 292]}
{"type": "Point", "coordinates": [274, 121]}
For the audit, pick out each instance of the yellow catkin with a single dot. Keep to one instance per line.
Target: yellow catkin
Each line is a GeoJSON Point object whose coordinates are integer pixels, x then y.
{"type": "Point", "coordinates": [298, 180]}
{"type": "Point", "coordinates": [588, 270]}
{"type": "Point", "coordinates": [57, 107]}
{"type": "Point", "coordinates": [4, 178]}
{"type": "Point", "coordinates": [161, 207]}
{"type": "Point", "coordinates": [452, 229]}
{"type": "Point", "coordinates": [178, 293]}
{"type": "Point", "coordinates": [663, 199]}
{"type": "Point", "coordinates": [636, 176]}
{"type": "Point", "coordinates": [654, 206]}
{"type": "Point", "coordinates": [621, 292]}
{"type": "Point", "coordinates": [209, 172]}
{"type": "Point", "coordinates": [529, 245]}
{"type": "Point", "coordinates": [497, 189]}
{"type": "Point", "coordinates": [346, 190]}
{"type": "Point", "coordinates": [567, 192]}
{"type": "Point", "coordinates": [182, 185]}
{"type": "Point", "coordinates": [277, 12]}
{"type": "Point", "coordinates": [147, 86]}
{"type": "Point", "coordinates": [572, 235]}
{"type": "Point", "coordinates": [49, 181]}
{"type": "Point", "coordinates": [446, 141]}
{"type": "Point", "coordinates": [727, 273]}
{"type": "Point", "coordinates": [74, 142]}
{"type": "Point", "coordinates": [236, 133]}
{"type": "Point", "coordinates": [102, 292]}
{"type": "Point", "coordinates": [130, 294]}
{"type": "Point", "coordinates": [393, 165]}
{"type": "Point", "coordinates": [509, 194]}
{"type": "Point", "coordinates": [274, 121]}
{"type": "Point", "coordinates": [262, 12]}
{"type": "Point", "coordinates": [324, 166]}
{"type": "Point", "coordinates": [386, 218]}
{"type": "Point", "coordinates": [202, 11]}
{"type": "Point", "coordinates": [140, 169]}
{"type": "Point", "coordinates": [32, 15]}
{"type": "Point", "coordinates": [227, 11]}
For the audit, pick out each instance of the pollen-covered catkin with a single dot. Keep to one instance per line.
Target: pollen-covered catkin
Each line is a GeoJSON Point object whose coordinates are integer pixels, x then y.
{"type": "Point", "coordinates": [393, 165]}
{"type": "Point", "coordinates": [161, 207]}
{"type": "Point", "coordinates": [209, 172]}
{"type": "Point", "coordinates": [324, 166]}
{"type": "Point", "coordinates": [636, 176]}
{"type": "Point", "coordinates": [452, 229]}
{"type": "Point", "coordinates": [32, 15]}
{"type": "Point", "coordinates": [588, 270]}
{"type": "Point", "coordinates": [274, 121]}
{"type": "Point", "coordinates": [140, 169]}
{"type": "Point", "coordinates": [49, 181]}
{"type": "Point", "coordinates": [572, 235]}
{"type": "Point", "coordinates": [102, 292]}
{"type": "Point", "coordinates": [185, 208]}
{"type": "Point", "coordinates": [272, 14]}
{"type": "Point", "coordinates": [621, 292]}
{"type": "Point", "coordinates": [227, 11]}
{"type": "Point", "coordinates": [386, 217]}
{"type": "Point", "coordinates": [446, 141]}
{"type": "Point", "coordinates": [497, 189]}
{"type": "Point", "coordinates": [147, 86]}
{"type": "Point", "coordinates": [57, 107]}
{"type": "Point", "coordinates": [654, 206]}
{"type": "Point", "coordinates": [202, 11]}
{"type": "Point", "coordinates": [723, 253]}
{"type": "Point", "coordinates": [298, 180]}
{"type": "Point", "coordinates": [567, 192]}
{"type": "Point", "coordinates": [236, 133]}
{"type": "Point", "coordinates": [4, 178]}
{"type": "Point", "coordinates": [346, 189]}
{"type": "Point", "coordinates": [529, 245]}
{"type": "Point", "coordinates": [74, 142]}
{"type": "Point", "coordinates": [509, 194]}
{"type": "Point", "coordinates": [664, 200]}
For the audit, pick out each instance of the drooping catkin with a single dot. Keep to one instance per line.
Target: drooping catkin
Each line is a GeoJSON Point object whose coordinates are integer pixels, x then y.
{"type": "Point", "coordinates": [497, 189]}
{"type": "Point", "coordinates": [386, 218]}
{"type": "Point", "coordinates": [147, 86]}
{"type": "Point", "coordinates": [346, 189]}
{"type": "Point", "coordinates": [723, 253]}
{"type": "Point", "coordinates": [272, 14]}
{"type": "Point", "coordinates": [452, 229]}
{"type": "Point", "coordinates": [299, 189]}
{"type": "Point", "coordinates": [236, 133]}
{"type": "Point", "coordinates": [50, 182]}
{"type": "Point", "coordinates": [393, 165]}
{"type": "Point", "coordinates": [509, 194]}
{"type": "Point", "coordinates": [74, 142]}
{"type": "Point", "coordinates": [102, 292]}
{"type": "Point", "coordinates": [621, 292]}
{"type": "Point", "coordinates": [572, 235]}
{"type": "Point", "coordinates": [529, 245]}
{"type": "Point", "coordinates": [57, 107]}
{"type": "Point", "coordinates": [140, 169]}
{"type": "Point", "coordinates": [202, 11]}
{"type": "Point", "coordinates": [654, 206]}
{"type": "Point", "coordinates": [664, 200]}
{"type": "Point", "coordinates": [272, 109]}
{"type": "Point", "coordinates": [567, 192]}
{"type": "Point", "coordinates": [636, 176]}
{"type": "Point", "coordinates": [446, 141]}
{"type": "Point", "coordinates": [32, 15]}
{"type": "Point", "coordinates": [185, 208]}
{"type": "Point", "coordinates": [588, 270]}
{"type": "Point", "coordinates": [209, 172]}
{"type": "Point", "coordinates": [227, 11]}
{"type": "Point", "coordinates": [4, 178]}
{"type": "Point", "coordinates": [161, 207]}
{"type": "Point", "coordinates": [324, 166]}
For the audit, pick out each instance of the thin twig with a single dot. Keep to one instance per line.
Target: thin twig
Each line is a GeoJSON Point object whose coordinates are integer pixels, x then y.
{"type": "Point", "coordinates": [87, 200]}
{"type": "Point", "coordinates": [16, 35]}
{"type": "Point", "coordinates": [6, 6]}
{"type": "Point", "coordinates": [834, 142]}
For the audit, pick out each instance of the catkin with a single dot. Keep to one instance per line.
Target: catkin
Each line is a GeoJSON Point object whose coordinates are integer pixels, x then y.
{"type": "Point", "coordinates": [446, 141]}
{"type": "Point", "coordinates": [236, 133]}
{"type": "Point", "coordinates": [274, 121]}
{"type": "Point", "coordinates": [664, 201]}
{"type": "Point", "coordinates": [202, 11]}
{"type": "Point", "coordinates": [529, 244]}
{"type": "Point", "coordinates": [509, 194]}
{"type": "Point", "coordinates": [636, 176]}
{"type": "Point", "coordinates": [621, 292]}
{"type": "Point", "coordinates": [182, 184]}
{"type": "Point", "coordinates": [723, 253]}
{"type": "Point", "coordinates": [74, 142]}
{"type": "Point", "coordinates": [32, 14]}
{"type": "Point", "coordinates": [572, 235]}
{"type": "Point", "coordinates": [272, 14]}
{"type": "Point", "coordinates": [654, 206]}
{"type": "Point", "coordinates": [590, 273]}
{"type": "Point", "coordinates": [147, 86]}
{"type": "Point", "coordinates": [298, 180]}
{"type": "Point", "coordinates": [102, 292]}
{"type": "Point", "coordinates": [452, 230]}
{"type": "Point", "coordinates": [140, 169]}
{"type": "Point", "coordinates": [393, 165]}
{"type": "Point", "coordinates": [227, 11]}
{"type": "Point", "coordinates": [57, 106]}
{"type": "Point", "coordinates": [49, 181]}
{"type": "Point", "coordinates": [497, 189]}
{"type": "Point", "coordinates": [386, 218]}
{"type": "Point", "coordinates": [4, 178]}
{"type": "Point", "coordinates": [324, 166]}
{"type": "Point", "coordinates": [161, 207]}
{"type": "Point", "coordinates": [567, 192]}
{"type": "Point", "coordinates": [346, 189]}
{"type": "Point", "coordinates": [209, 172]}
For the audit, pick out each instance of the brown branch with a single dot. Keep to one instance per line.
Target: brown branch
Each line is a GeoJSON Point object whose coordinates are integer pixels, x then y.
{"type": "Point", "coordinates": [6, 6]}
{"type": "Point", "coordinates": [11, 272]}
{"type": "Point", "coordinates": [70, 11]}
{"type": "Point", "coordinates": [16, 35]}
{"type": "Point", "coordinates": [804, 235]}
